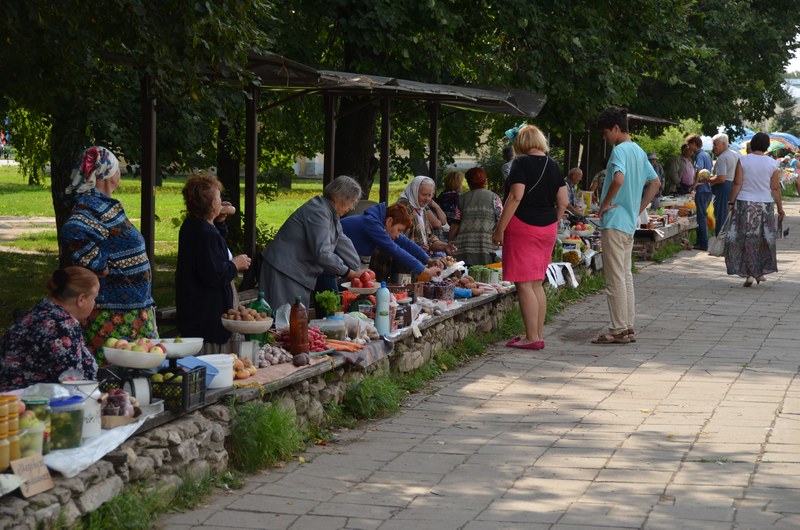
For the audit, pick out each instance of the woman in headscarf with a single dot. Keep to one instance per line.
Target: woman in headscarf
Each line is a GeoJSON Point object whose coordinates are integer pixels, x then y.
{"type": "Point", "coordinates": [100, 237]}
{"type": "Point", "coordinates": [415, 199]}
{"type": "Point", "coordinates": [750, 244]}
{"type": "Point", "coordinates": [206, 267]}
{"type": "Point", "coordinates": [309, 244]}
{"type": "Point", "coordinates": [479, 210]}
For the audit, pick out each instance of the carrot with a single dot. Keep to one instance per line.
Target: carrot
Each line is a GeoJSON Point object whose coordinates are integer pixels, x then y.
{"type": "Point", "coordinates": [341, 345]}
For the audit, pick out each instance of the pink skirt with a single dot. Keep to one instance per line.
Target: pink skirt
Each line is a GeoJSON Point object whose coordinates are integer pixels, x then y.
{"type": "Point", "coordinates": [527, 250]}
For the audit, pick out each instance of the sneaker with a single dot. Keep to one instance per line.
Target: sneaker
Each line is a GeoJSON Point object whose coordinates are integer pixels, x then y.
{"type": "Point", "coordinates": [698, 247]}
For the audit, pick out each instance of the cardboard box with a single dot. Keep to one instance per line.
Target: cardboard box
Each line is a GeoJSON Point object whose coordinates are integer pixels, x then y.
{"type": "Point", "coordinates": [111, 422]}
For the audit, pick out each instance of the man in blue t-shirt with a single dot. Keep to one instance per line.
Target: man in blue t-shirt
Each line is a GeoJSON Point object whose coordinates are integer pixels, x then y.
{"type": "Point", "coordinates": [630, 185]}
{"type": "Point", "coordinates": [702, 189]}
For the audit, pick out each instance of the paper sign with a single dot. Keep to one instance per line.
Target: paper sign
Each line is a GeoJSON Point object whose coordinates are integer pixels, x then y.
{"type": "Point", "coordinates": [35, 474]}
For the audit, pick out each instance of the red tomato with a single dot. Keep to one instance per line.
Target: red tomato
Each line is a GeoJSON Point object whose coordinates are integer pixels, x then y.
{"type": "Point", "coordinates": [364, 277]}
{"type": "Point", "coordinates": [356, 283]}
{"type": "Point", "coordinates": [371, 274]}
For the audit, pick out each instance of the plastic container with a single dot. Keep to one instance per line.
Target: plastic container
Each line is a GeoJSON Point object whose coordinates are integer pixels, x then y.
{"type": "Point", "coordinates": [40, 407]}
{"type": "Point", "coordinates": [30, 440]}
{"type": "Point", "coordinates": [332, 326]}
{"type": "Point", "coordinates": [181, 388]}
{"type": "Point", "coordinates": [66, 418]}
{"type": "Point", "coordinates": [90, 391]}
{"type": "Point", "coordinates": [194, 362]}
{"type": "Point", "coordinates": [223, 364]}
{"type": "Point", "coordinates": [298, 327]}
{"type": "Point", "coordinates": [382, 319]}
{"type": "Point", "coordinates": [260, 304]}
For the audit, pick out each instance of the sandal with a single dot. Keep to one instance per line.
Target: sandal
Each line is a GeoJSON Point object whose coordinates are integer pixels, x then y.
{"type": "Point", "coordinates": [631, 334]}
{"type": "Point", "coordinates": [611, 338]}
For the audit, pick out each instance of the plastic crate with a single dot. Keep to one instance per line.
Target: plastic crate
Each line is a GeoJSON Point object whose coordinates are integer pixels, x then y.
{"type": "Point", "coordinates": [184, 395]}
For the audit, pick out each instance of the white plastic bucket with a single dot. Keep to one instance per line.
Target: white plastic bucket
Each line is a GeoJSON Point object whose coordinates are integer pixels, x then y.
{"type": "Point", "coordinates": [223, 362]}
{"type": "Point", "coordinates": [91, 406]}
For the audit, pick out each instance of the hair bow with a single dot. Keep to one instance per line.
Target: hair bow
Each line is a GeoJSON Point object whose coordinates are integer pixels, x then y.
{"type": "Point", "coordinates": [512, 132]}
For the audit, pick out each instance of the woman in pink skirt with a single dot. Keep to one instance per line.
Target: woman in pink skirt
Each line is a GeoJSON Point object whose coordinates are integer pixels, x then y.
{"type": "Point", "coordinates": [536, 199]}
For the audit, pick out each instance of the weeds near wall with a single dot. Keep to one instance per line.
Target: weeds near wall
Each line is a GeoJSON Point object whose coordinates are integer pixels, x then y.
{"type": "Point", "coordinates": [261, 434]}
{"type": "Point", "coordinates": [136, 507]}
{"type": "Point", "coordinates": [372, 397]}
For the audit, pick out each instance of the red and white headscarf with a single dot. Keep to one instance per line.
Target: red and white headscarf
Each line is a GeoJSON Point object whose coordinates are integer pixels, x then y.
{"type": "Point", "coordinates": [97, 163]}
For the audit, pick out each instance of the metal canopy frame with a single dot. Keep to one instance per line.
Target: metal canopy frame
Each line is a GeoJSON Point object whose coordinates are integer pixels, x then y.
{"type": "Point", "coordinates": [276, 73]}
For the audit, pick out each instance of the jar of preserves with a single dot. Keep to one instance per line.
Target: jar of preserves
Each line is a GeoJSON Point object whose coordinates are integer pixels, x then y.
{"type": "Point", "coordinates": [13, 446]}
{"type": "Point", "coordinates": [40, 407]}
{"type": "Point", "coordinates": [5, 455]}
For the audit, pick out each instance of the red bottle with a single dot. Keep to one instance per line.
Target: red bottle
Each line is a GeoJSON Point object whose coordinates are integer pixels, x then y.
{"type": "Point", "coordinates": [298, 327]}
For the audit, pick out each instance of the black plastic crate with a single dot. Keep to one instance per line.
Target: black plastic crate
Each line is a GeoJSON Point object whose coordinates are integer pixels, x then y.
{"type": "Point", "coordinates": [186, 394]}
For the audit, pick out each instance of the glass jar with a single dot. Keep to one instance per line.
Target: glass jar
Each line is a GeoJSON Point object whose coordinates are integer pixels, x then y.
{"type": "Point", "coordinates": [13, 445]}
{"type": "Point", "coordinates": [4, 406]}
{"type": "Point", "coordinates": [40, 406]}
{"type": "Point", "coordinates": [5, 456]}
{"type": "Point", "coordinates": [66, 416]}
{"type": "Point", "coordinates": [3, 426]}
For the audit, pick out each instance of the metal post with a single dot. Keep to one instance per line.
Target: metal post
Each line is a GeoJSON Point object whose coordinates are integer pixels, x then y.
{"type": "Point", "coordinates": [148, 166]}
{"type": "Point", "coordinates": [330, 139]}
{"type": "Point", "coordinates": [251, 171]}
{"type": "Point", "coordinates": [386, 136]}
{"type": "Point", "coordinates": [433, 141]}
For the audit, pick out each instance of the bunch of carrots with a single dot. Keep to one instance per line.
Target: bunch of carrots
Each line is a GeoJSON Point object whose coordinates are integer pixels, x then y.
{"type": "Point", "coordinates": [340, 345]}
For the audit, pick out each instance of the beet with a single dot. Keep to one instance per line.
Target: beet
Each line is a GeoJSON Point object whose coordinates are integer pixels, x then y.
{"type": "Point", "coordinates": [301, 359]}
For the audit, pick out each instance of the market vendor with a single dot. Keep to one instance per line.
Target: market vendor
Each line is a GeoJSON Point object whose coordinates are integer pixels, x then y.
{"type": "Point", "coordinates": [309, 244]}
{"type": "Point", "coordinates": [48, 339]}
{"type": "Point", "coordinates": [379, 229]}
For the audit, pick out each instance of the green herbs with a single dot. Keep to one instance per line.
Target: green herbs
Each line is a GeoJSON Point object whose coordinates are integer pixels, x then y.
{"type": "Point", "coordinates": [329, 301]}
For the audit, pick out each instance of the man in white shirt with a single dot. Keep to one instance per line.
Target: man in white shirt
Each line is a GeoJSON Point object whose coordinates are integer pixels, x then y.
{"type": "Point", "coordinates": [722, 180]}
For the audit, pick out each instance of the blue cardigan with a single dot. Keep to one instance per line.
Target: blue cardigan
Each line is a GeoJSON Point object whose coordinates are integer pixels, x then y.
{"type": "Point", "coordinates": [368, 231]}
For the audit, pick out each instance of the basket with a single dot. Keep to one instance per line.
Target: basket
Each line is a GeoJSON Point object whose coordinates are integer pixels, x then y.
{"type": "Point", "coordinates": [181, 395]}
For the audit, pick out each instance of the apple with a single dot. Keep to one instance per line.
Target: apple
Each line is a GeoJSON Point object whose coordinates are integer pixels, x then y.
{"type": "Point", "coordinates": [122, 344]}
{"type": "Point", "coordinates": [21, 405]}
{"type": "Point", "coordinates": [157, 378]}
{"type": "Point", "coordinates": [142, 341]}
{"type": "Point", "coordinates": [158, 349]}
{"type": "Point", "coordinates": [111, 342]}
{"type": "Point", "coordinates": [139, 347]}
{"type": "Point", "coordinates": [356, 283]}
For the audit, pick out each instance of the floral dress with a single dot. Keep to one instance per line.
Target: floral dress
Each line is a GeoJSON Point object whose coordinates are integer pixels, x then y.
{"type": "Point", "coordinates": [43, 344]}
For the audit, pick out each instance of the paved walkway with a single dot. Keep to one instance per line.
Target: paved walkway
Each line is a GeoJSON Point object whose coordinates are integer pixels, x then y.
{"type": "Point", "coordinates": [696, 425]}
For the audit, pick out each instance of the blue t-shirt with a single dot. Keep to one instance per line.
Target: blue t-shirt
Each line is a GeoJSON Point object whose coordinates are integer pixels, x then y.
{"type": "Point", "coordinates": [630, 160]}
{"type": "Point", "coordinates": [703, 161]}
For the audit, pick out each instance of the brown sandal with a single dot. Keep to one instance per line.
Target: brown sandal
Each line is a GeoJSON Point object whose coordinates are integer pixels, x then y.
{"type": "Point", "coordinates": [611, 338]}
{"type": "Point", "coordinates": [630, 334]}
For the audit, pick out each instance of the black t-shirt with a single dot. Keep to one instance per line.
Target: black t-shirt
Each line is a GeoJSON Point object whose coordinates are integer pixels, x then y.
{"type": "Point", "coordinates": [538, 205]}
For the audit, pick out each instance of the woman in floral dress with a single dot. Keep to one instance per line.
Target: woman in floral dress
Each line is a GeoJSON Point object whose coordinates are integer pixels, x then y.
{"type": "Point", "coordinates": [48, 339]}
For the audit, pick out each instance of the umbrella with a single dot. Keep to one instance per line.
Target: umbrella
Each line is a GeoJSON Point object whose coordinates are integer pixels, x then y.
{"type": "Point", "coordinates": [777, 143]}
{"type": "Point", "coordinates": [790, 139]}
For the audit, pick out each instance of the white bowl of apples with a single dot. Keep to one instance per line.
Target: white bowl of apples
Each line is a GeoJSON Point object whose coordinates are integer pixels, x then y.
{"type": "Point", "coordinates": [364, 284]}
{"type": "Point", "coordinates": [143, 353]}
{"type": "Point", "coordinates": [582, 229]}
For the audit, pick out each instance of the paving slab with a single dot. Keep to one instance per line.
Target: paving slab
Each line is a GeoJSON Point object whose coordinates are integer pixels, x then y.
{"type": "Point", "coordinates": [695, 426]}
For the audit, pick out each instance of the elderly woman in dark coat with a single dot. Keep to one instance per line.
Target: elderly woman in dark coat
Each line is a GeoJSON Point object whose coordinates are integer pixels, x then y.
{"type": "Point", "coordinates": [478, 212]}
{"type": "Point", "coordinates": [309, 244]}
{"type": "Point", "coordinates": [206, 267]}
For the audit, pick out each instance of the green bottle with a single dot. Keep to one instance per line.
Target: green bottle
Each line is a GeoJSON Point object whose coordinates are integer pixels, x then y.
{"type": "Point", "coordinates": [260, 305]}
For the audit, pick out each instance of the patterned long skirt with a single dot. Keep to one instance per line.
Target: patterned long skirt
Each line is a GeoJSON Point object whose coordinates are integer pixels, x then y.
{"type": "Point", "coordinates": [105, 323]}
{"type": "Point", "coordinates": [750, 242]}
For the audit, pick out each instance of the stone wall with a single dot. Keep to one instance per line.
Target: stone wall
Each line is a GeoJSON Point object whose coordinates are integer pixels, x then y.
{"type": "Point", "coordinates": [195, 443]}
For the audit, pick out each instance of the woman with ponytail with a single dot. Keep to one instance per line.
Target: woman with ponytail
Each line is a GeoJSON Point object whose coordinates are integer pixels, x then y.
{"type": "Point", "coordinates": [48, 339]}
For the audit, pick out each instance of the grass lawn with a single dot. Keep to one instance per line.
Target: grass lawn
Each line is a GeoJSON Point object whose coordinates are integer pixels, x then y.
{"type": "Point", "coordinates": [20, 200]}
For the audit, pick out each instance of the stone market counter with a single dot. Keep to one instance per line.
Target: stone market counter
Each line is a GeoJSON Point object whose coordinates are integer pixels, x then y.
{"type": "Point", "coordinates": [170, 444]}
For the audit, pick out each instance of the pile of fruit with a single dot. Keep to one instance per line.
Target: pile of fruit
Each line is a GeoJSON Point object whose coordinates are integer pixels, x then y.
{"type": "Point", "coordinates": [31, 428]}
{"type": "Point", "coordinates": [580, 226]}
{"type": "Point", "coordinates": [142, 344]}
{"type": "Point", "coordinates": [365, 281]}
{"type": "Point", "coordinates": [245, 314]}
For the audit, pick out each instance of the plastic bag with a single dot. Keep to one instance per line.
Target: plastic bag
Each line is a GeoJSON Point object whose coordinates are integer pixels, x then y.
{"type": "Point", "coordinates": [282, 317]}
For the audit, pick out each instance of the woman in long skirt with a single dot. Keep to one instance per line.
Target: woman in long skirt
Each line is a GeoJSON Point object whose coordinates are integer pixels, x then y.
{"type": "Point", "coordinates": [755, 197]}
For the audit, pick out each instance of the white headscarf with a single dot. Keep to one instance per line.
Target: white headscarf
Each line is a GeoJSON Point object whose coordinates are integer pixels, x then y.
{"type": "Point", "coordinates": [97, 163]}
{"type": "Point", "coordinates": [411, 193]}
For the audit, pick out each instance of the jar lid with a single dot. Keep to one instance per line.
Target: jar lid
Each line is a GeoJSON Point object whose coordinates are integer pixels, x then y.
{"type": "Point", "coordinates": [35, 400]}
{"type": "Point", "coordinates": [66, 401]}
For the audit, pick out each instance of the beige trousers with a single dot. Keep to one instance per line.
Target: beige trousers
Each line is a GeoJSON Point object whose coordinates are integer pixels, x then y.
{"type": "Point", "coordinates": [617, 250]}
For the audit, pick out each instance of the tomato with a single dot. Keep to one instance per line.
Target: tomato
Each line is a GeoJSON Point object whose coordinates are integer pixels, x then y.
{"type": "Point", "coordinates": [371, 274]}
{"type": "Point", "coordinates": [364, 277]}
{"type": "Point", "coordinates": [356, 283]}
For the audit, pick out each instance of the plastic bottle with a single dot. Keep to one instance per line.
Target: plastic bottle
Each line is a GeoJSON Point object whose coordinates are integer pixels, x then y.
{"type": "Point", "coordinates": [558, 252]}
{"type": "Point", "coordinates": [260, 304]}
{"type": "Point", "coordinates": [382, 299]}
{"type": "Point", "coordinates": [298, 327]}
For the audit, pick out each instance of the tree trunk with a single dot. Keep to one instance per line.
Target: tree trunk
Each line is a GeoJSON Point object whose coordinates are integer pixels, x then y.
{"type": "Point", "coordinates": [355, 143]}
{"type": "Point", "coordinates": [228, 174]}
{"type": "Point", "coordinates": [67, 145]}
